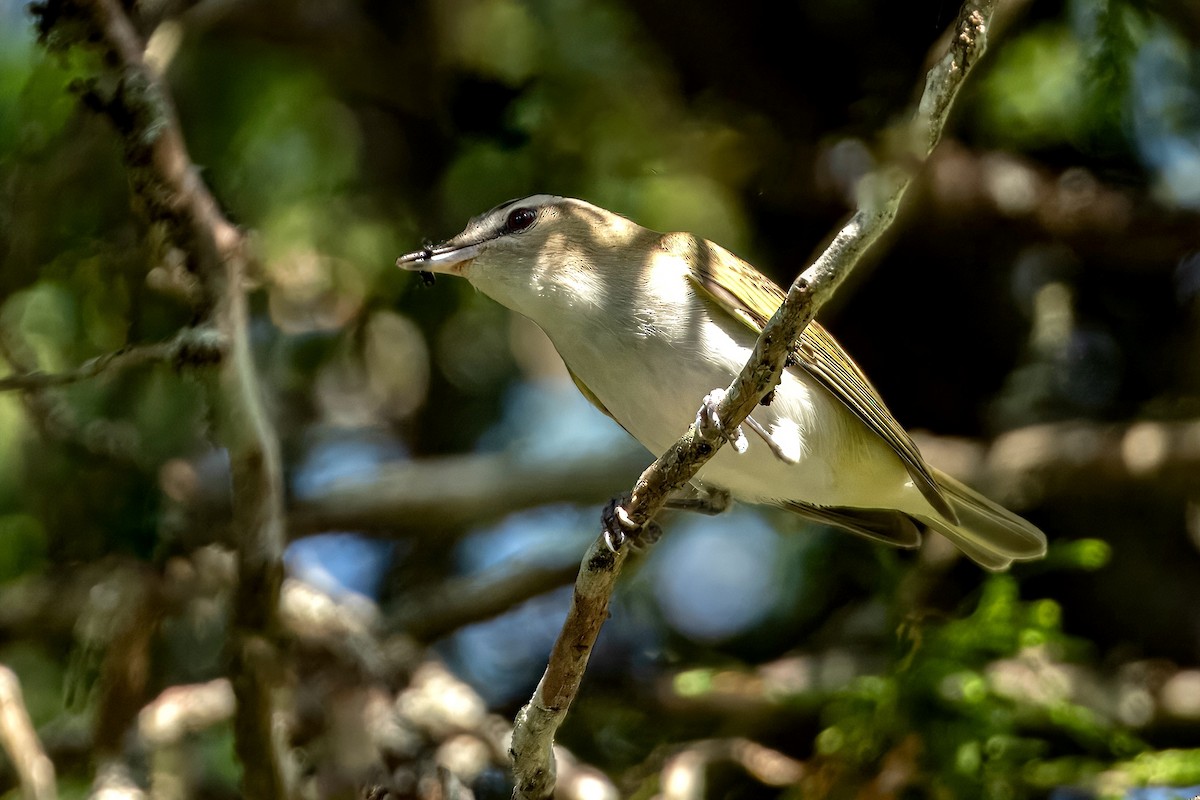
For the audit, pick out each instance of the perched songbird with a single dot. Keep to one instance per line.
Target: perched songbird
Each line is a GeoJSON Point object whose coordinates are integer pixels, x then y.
{"type": "Point", "coordinates": [650, 323]}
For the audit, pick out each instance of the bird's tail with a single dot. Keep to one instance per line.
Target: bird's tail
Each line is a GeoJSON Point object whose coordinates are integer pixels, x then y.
{"type": "Point", "coordinates": [991, 535]}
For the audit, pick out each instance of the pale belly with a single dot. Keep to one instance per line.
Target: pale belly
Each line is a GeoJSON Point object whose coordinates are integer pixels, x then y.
{"type": "Point", "coordinates": [655, 388]}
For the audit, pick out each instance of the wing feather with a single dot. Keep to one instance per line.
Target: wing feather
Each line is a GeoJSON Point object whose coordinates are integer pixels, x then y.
{"type": "Point", "coordinates": [753, 297]}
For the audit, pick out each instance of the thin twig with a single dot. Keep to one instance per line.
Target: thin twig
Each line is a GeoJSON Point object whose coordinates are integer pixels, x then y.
{"type": "Point", "coordinates": [116, 361]}
{"type": "Point", "coordinates": [168, 187]}
{"type": "Point", "coordinates": [193, 347]}
{"type": "Point", "coordinates": [55, 419]}
{"type": "Point", "coordinates": [881, 193]}
{"type": "Point", "coordinates": [18, 738]}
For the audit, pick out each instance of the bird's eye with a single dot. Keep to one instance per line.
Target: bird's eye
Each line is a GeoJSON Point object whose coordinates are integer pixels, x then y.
{"type": "Point", "coordinates": [519, 219]}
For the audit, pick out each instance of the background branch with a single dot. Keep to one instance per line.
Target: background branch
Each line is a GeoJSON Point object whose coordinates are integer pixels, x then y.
{"type": "Point", "coordinates": [1029, 466]}
{"type": "Point", "coordinates": [457, 602]}
{"type": "Point", "coordinates": [170, 190]}
{"type": "Point", "coordinates": [881, 193]}
{"type": "Point", "coordinates": [441, 498]}
{"type": "Point", "coordinates": [437, 496]}
{"type": "Point", "coordinates": [1022, 468]}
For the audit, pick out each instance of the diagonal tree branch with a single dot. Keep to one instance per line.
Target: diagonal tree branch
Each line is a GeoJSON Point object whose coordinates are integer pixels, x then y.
{"type": "Point", "coordinates": [167, 186]}
{"type": "Point", "coordinates": [880, 197]}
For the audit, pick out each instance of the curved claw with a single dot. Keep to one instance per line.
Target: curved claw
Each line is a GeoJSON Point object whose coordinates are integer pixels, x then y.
{"type": "Point", "coordinates": [620, 528]}
{"type": "Point", "coordinates": [610, 536]}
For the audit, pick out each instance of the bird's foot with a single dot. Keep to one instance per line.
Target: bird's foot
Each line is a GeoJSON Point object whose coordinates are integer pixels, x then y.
{"type": "Point", "coordinates": [708, 418]}
{"type": "Point", "coordinates": [620, 528]}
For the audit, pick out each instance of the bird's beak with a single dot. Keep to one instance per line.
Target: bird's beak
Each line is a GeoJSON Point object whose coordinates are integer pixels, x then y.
{"type": "Point", "coordinates": [449, 257]}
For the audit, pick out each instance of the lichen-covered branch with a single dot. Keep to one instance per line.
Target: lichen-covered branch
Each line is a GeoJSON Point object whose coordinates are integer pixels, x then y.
{"type": "Point", "coordinates": [879, 200]}
{"type": "Point", "coordinates": [168, 188]}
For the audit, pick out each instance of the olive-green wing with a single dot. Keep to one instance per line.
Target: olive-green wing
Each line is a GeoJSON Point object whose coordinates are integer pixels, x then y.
{"type": "Point", "coordinates": [753, 297]}
{"type": "Point", "coordinates": [892, 528]}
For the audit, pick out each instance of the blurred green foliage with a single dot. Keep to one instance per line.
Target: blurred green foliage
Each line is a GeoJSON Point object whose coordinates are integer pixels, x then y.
{"type": "Point", "coordinates": [1034, 93]}
{"type": "Point", "coordinates": [1066, 82]}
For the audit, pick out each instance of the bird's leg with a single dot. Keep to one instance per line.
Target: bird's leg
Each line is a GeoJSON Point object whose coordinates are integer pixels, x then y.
{"type": "Point", "coordinates": [707, 418]}
{"type": "Point", "coordinates": [765, 435]}
{"type": "Point", "coordinates": [619, 528]}
{"type": "Point", "coordinates": [701, 500]}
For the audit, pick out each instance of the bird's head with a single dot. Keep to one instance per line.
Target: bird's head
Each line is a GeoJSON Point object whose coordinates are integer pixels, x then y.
{"type": "Point", "coordinates": [540, 254]}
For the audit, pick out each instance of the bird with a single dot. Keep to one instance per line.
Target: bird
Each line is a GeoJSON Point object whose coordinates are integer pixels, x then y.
{"type": "Point", "coordinates": [650, 325]}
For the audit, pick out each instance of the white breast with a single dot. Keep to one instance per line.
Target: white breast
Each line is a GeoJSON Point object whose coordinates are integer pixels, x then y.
{"type": "Point", "coordinates": [652, 369]}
